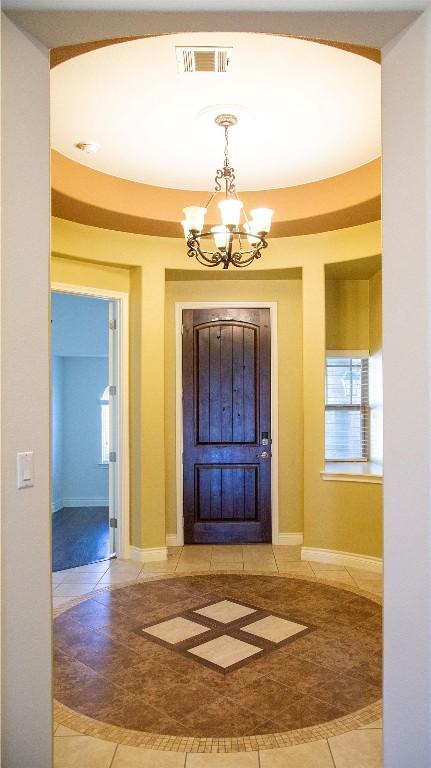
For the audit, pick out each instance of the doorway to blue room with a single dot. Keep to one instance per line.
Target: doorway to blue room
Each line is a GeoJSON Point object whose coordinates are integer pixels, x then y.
{"type": "Point", "coordinates": [81, 418]}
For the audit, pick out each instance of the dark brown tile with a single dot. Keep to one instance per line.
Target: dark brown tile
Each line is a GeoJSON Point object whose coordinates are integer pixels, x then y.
{"type": "Point", "coordinates": [264, 696]}
{"type": "Point", "coordinates": [302, 713]}
{"type": "Point", "coordinates": [222, 717]}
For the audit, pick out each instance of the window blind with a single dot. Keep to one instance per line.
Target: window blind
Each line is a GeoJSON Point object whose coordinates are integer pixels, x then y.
{"type": "Point", "coordinates": [346, 409]}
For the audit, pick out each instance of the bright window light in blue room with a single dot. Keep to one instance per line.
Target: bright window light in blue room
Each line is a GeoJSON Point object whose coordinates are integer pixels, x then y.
{"type": "Point", "coordinates": [346, 409]}
{"type": "Point", "coordinates": [104, 426]}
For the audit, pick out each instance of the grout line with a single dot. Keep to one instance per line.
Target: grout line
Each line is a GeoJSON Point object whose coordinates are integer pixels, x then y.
{"type": "Point", "coordinates": [113, 756]}
{"type": "Point", "coordinates": [258, 758]}
{"type": "Point", "coordinates": [330, 752]}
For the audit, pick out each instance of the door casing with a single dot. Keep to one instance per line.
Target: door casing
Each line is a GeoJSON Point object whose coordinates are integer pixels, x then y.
{"type": "Point", "coordinates": [121, 485]}
{"type": "Point", "coordinates": [178, 540]}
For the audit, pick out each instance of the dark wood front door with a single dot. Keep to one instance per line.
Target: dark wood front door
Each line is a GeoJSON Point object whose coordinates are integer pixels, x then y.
{"type": "Point", "coordinates": [227, 429]}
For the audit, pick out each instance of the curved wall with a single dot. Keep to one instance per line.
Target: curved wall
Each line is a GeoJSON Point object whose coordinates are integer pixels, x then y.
{"type": "Point", "coordinates": [335, 515]}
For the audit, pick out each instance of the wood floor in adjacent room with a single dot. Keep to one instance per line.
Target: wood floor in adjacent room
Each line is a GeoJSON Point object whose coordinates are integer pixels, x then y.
{"type": "Point", "coordinates": [225, 657]}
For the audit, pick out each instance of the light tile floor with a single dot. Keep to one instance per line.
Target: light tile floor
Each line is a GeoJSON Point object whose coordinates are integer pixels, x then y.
{"type": "Point", "coordinates": [356, 749]}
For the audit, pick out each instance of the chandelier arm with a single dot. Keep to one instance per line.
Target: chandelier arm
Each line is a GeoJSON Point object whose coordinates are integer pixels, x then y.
{"type": "Point", "coordinates": [211, 198]}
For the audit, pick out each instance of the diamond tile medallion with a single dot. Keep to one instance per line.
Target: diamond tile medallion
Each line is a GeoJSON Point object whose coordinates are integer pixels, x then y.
{"type": "Point", "coordinates": [225, 622]}
{"type": "Point", "coordinates": [218, 662]}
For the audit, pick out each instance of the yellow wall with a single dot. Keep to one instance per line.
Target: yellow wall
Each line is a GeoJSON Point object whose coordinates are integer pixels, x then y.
{"type": "Point", "coordinates": [288, 295]}
{"type": "Point", "coordinates": [343, 516]}
{"type": "Point", "coordinates": [347, 314]}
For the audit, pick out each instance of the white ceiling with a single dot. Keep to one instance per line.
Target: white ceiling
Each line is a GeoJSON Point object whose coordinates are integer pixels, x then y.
{"type": "Point", "coordinates": [306, 111]}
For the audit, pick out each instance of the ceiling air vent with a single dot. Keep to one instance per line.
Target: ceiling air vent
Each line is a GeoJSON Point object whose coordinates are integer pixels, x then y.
{"type": "Point", "coordinates": [203, 59]}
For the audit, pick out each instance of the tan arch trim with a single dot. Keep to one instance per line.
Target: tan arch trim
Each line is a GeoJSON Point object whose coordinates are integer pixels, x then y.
{"type": "Point", "coordinates": [90, 197]}
{"type": "Point", "coordinates": [65, 52]}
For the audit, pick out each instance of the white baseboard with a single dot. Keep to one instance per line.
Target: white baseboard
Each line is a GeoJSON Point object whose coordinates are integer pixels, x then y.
{"type": "Point", "coordinates": [171, 540]}
{"type": "Point", "coordinates": [347, 559]}
{"type": "Point", "coordinates": [148, 554]}
{"type": "Point", "coordinates": [291, 539]}
{"type": "Point", "coordinates": [56, 505]}
{"type": "Point", "coordinates": [86, 501]}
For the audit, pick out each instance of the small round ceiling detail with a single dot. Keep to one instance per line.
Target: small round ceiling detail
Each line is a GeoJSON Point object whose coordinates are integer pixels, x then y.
{"type": "Point", "coordinates": [305, 111]}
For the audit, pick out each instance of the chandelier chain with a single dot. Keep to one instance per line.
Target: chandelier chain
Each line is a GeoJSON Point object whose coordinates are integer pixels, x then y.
{"type": "Point", "coordinates": [226, 147]}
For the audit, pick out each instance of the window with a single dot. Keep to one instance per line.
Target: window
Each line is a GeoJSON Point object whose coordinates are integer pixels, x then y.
{"type": "Point", "coordinates": [346, 409]}
{"type": "Point", "coordinates": [104, 426]}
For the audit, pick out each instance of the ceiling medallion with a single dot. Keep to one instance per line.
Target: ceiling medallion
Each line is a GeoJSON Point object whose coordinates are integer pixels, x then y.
{"type": "Point", "coordinates": [235, 243]}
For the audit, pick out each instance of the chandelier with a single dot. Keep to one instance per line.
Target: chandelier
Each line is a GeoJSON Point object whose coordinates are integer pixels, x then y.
{"type": "Point", "coordinates": [233, 242]}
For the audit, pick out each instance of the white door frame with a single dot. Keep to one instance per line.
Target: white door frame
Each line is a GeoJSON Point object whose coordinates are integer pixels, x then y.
{"type": "Point", "coordinates": [122, 464]}
{"type": "Point", "coordinates": [179, 306]}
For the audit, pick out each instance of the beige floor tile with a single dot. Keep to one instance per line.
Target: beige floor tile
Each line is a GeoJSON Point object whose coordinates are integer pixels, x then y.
{"type": "Point", "coordinates": [162, 566]}
{"type": "Point", "coordinates": [340, 577]}
{"type": "Point", "coordinates": [227, 547]}
{"type": "Point", "coordinates": [197, 549]}
{"type": "Point", "coordinates": [326, 566]}
{"type": "Point", "coordinates": [80, 751]}
{"type": "Point", "coordinates": [230, 760]}
{"type": "Point", "coordinates": [92, 567]}
{"type": "Point", "coordinates": [274, 628]}
{"type": "Point", "coordinates": [251, 561]}
{"type": "Point", "coordinates": [194, 565]}
{"type": "Point", "coordinates": [256, 548]}
{"type": "Point", "coordinates": [358, 749]}
{"type": "Point", "coordinates": [225, 611]}
{"type": "Point", "coordinates": [229, 566]}
{"type": "Point", "coordinates": [125, 565]}
{"type": "Point", "coordinates": [59, 576]}
{"type": "Point", "coordinates": [72, 590]}
{"type": "Point", "coordinates": [227, 557]}
{"type": "Point", "coordinates": [315, 754]}
{"type": "Point", "coordinates": [363, 573]}
{"type": "Point", "coordinates": [295, 567]}
{"type": "Point", "coordinates": [224, 651]}
{"type": "Point", "coordinates": [256, 566]}
{"type": "Point", "coordinates": [58, 602]}
{"type": "Point", "coordinates": [138, 757]}
{"type": "Point", "coordinates": [176, 630]}
{"type": "Point", "coordinates": [287, 552]}
{"type": "Point", "coordinates": [369, 586]}
{"type": "Point", "coordinates": [82, 578]}
{"type": "Point", "coordinates": [375, 724]}
{"type": "Point", "coordinates": [62, 730]}
{"type": "Point", "coordinates": [193, 557]}
{"type": "Point", "coordinates": [117, 576]}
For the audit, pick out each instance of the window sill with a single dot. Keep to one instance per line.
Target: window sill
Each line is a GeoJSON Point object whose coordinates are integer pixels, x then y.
{"type": "Point", "coordinates": [353, 472]}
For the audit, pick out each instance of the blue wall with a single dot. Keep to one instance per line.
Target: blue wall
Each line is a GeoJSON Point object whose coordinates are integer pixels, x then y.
{"type": "Point", "coordinates": [79, 326]}
{"type": "Point", "coordinates": [79, 377]}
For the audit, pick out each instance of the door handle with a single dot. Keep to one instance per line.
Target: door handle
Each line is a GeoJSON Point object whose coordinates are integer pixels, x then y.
{"type": "Point", "coordinates": [263, 455]}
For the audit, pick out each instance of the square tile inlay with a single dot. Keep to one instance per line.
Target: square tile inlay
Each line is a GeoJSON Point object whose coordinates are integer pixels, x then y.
{"type": "Point", "coordinates": [225, 651]}
{"type": "Point", "coordinates": [225, 611]}
{"type": "Point", "coordinates": [274, 628]}
{"type": "Point", "coordinates": [225, 634]}
{"type": "Point", "coordinates": [176, 630]}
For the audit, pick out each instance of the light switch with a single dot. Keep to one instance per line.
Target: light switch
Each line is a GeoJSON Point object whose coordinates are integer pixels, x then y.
{"type": "Point", "coordinates": [24, 466]}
